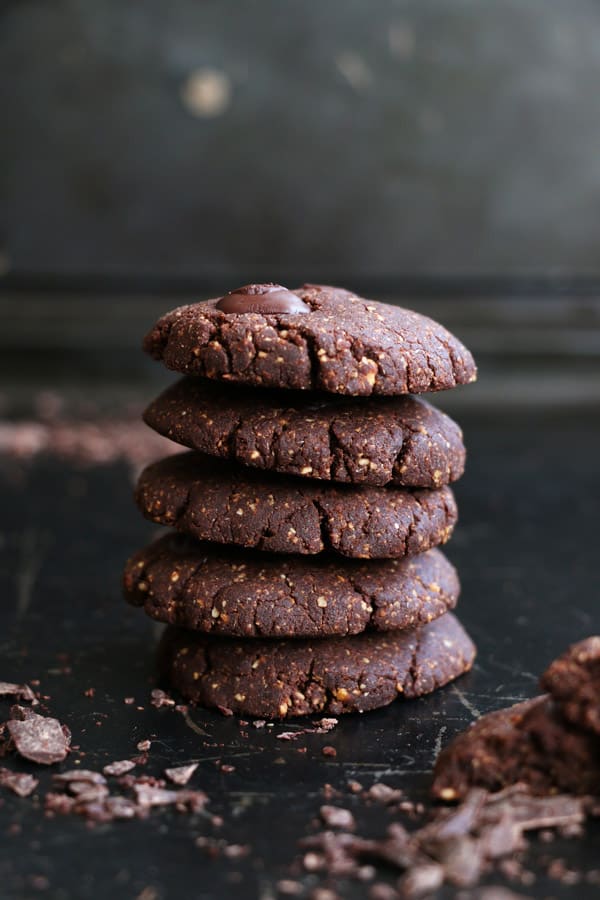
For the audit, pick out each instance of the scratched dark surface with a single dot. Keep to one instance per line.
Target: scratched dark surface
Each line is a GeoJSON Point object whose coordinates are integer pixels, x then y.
{"type": "Point", "coordinates": [526, 549]}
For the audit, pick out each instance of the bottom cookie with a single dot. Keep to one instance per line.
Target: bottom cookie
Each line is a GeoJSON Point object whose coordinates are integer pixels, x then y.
{"type": "Point", "coordinates": [283, 678]}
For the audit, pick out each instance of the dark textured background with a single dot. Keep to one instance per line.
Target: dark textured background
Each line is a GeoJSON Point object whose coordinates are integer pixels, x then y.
{"type": "Point", "coordinates": [331, 140]}
{"type": "Point", "coordinates": [442, 155]}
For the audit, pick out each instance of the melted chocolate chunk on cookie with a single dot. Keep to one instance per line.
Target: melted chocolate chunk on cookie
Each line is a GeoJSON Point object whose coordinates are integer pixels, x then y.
{"type": "Point", "coordinates": [266, 299]}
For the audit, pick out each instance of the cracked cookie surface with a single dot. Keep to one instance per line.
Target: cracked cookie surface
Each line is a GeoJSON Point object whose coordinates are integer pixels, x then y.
{"type": "Point", "coordinates": [239, 593]}
{"type": "Point", "coordinates": [387, 440]}
{"type": "Point", "coordinates": [214, 500]}
{"type": "Point", "coordinates": [284, 678]}
{"type": "Point", "coordinates": [344, 344]}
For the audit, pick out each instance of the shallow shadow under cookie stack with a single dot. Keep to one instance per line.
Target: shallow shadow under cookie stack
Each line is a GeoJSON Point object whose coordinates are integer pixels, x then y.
{"type": "Point", "coordinates": [304, 574]}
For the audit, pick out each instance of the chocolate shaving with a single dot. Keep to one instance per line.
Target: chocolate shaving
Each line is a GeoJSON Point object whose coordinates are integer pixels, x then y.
{"type": "Point", "coordinates": [147, 796]}
{"type": "Point", "coordinates": [337, 817]}
{"type": "Point", "coordinates": [289, 735]}
{"type": "Point", "coordinates": [18, 691]}
{"type": "Point", "coordinates": [119, 767]}
{"type": "Point", "coordinates": [118, 807]}
{"type": "Point", "coordinates": [87, 794]}
{"type": "Point", "coordinates": [82, 776]}
{"type": "Point", "coordinates": [458, 846]}
{"type": "Point", "coordinates": [182, 774]}
{"type": "Point", "coordinates": [19, 783]}
{"type": "Point", "coordinates": [383, 793]}
{"type": "Point", "coordinates": [39, 738]}
{"type": "Point", "coordinates": [320, 727]}
{"type": "Point", "coordinates": [160, 698]}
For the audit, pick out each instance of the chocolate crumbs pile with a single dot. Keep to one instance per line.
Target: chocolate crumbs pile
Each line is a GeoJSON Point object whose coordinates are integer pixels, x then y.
{"type": "Point", "coordinates": [45, 741]}
{"type": "Point", "coordinates": [84, 443]}
{"type": "Point", "coordinates": [458, 846]}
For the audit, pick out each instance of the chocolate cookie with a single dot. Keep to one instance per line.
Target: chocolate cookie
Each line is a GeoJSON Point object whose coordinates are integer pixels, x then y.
{"type": "Point", "coordinates": [236, 592]}
{"type": "Point", "coordinates": [314, 338]}
{"type": "Point", "coordinates": [216, 501]}
{"type": "Point", "coordinates": [530, 743]}
{"type": "Point", "coordinates": [574, 682]}
{"type": "Point", "coordinates": [279, 678]}
{"type": "Point", "coordinates": [397, 440]}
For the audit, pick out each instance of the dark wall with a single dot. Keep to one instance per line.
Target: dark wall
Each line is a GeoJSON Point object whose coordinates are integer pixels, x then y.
{"type": "Point", "coordinates": [319, 137]}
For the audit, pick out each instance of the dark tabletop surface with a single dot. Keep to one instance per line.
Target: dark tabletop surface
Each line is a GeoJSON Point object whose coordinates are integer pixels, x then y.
{"type": "Point", "coordinates": [526, 550]}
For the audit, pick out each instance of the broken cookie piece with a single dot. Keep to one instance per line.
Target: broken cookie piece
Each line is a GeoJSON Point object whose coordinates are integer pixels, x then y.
{"type": "Point", "coordinates": [574, 682]}
{"type": "Point", "coordinates": [551, 742]}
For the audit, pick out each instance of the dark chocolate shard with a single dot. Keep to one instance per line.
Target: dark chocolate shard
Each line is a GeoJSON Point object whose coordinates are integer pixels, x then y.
{"type": "Point", "coordinates": [337, 817]}
{"type": "Point", "coordinates": [181, 774]}
{"type": "Point", "coordinates": [18, 691]}
{"type": "Point", "coordinates": [39, 738]}
{"type": "Point", "coordinates": [20, 783]}
{"type": "Point", "coordinates": [119, 767]}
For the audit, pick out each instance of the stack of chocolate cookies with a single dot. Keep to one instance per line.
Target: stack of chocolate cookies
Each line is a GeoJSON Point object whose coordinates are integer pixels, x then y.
{"type": "Point", "coordinates": [303, 575]}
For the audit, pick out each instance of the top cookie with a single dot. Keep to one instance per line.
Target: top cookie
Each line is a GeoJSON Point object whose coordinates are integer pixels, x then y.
{"type": "Point", "coordinates": [314, 338]}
